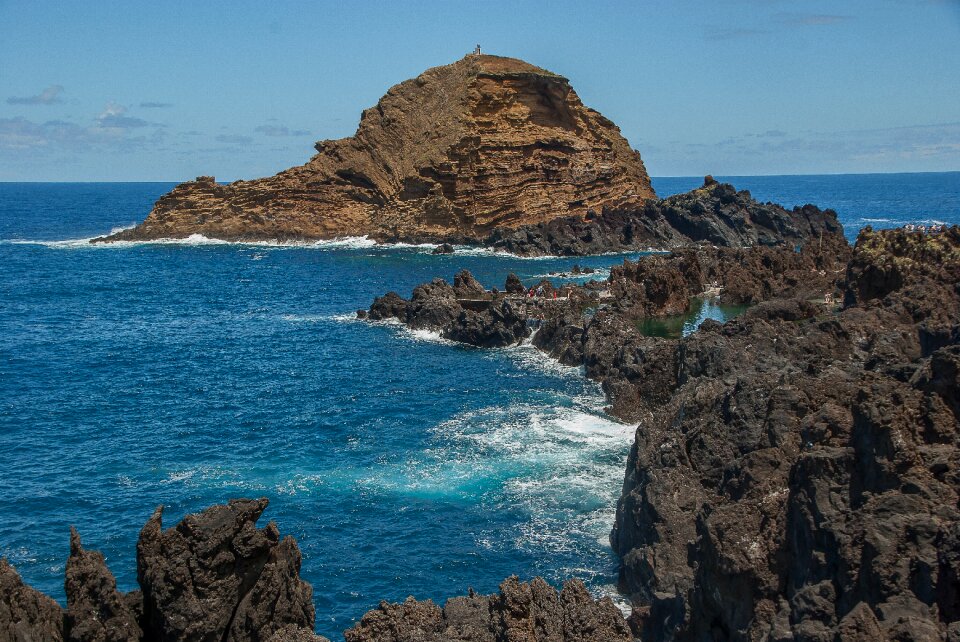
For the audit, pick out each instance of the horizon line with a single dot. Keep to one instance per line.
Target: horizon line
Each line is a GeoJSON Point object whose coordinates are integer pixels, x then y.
{"type": "Point", "coordinates": [698, 176]}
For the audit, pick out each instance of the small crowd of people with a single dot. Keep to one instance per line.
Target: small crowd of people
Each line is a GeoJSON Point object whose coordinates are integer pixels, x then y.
{"type": "Point", "coordinates": [925, 229]}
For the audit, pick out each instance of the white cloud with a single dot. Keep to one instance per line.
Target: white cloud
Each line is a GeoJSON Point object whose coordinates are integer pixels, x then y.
{"type": "Point", "coordinates": [49, 96]}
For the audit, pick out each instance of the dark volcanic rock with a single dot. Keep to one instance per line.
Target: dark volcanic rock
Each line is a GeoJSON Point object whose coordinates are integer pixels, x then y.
{"type": "Point", "coordinates": [463, 312]}
{"type": "Point", "coordinates": [521, 612]}
{"type": "Point", "coordinates": [96, 611]}
{"type": "Point", "coordinates": [292, 633]}
{"type": "Point", "coordinates": [799, 480]}
{"type": "Point", "coordinates": [514, 285]}
{"type": "Point", "coordinates": [215, 576]}
{"type": "Point", "coordinates": [443, 248]}
{"type": "Point", "coordinates": [502, 324]}
{"type": "Point", "coordinates": [26, 615]}
{"type": "Point", "coordinates": [715, 214]}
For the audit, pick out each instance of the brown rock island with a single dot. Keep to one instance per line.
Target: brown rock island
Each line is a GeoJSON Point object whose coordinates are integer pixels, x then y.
{"type": "Point", "coordinates": [461, 150]}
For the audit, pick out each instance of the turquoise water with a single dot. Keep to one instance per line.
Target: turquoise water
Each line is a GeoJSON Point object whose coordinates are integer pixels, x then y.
{"type": "Point", "coordinates": [188, 373]}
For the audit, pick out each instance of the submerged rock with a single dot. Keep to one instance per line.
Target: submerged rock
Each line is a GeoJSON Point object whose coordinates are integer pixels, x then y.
{"type": "Point", "coordinates": [520, 612]}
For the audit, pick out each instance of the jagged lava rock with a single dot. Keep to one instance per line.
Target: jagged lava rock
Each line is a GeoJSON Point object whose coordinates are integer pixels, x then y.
{"type": "Point", "coordinates": [96, 611]}
{"type": "Point", "coordinates": [26, 615]}
{"type": "Point", "coordinates": [520, 612]}
{"type": "Point", "coordinates": [797, 478]}
{"type": "Point", "coordinates": [460, 150]}
{"type": "Point", "coordinates": [216, 576]}
{"type": "Point", "coordinates": [715, 214]}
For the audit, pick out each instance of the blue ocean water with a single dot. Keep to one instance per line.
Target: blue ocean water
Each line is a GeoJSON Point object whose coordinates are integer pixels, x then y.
{"type": "Point", "coordinates": [187, 373]}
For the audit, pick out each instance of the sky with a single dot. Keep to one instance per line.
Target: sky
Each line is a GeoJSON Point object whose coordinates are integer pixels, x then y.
{"type": "Point", "coordinates": [165, 91]}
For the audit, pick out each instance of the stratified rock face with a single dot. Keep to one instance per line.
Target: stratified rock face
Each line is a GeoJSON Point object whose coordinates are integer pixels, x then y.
{"type": "Point", "coordinates": [96, 611]}
{"type": "Point", "coordinates": [483, 143]}
{"type": "Point", "coordinates": [26, 615]}
{"type": "Point", "coordinates": [521, 612]}
{"type": "Point", "coordinates": [215, 576]}
{"type": "Point", "coordinates": [798, 476]}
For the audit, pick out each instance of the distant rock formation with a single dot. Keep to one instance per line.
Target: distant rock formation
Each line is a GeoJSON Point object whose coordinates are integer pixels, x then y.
{"type": "Point", "coordinates": [521, 612]}
{"type": "Point", "coordinates": [463, 312]}
{"type": "Point", "coordinates": [484, 143]}
{"type": "Point", "coordinates": [714, 214]}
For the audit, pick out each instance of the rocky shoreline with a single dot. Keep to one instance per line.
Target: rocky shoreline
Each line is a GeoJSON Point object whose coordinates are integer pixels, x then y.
{"type": "Point", "coordinates": [216, 577]}
{"type": "Point", "coordinates": [795, 472]}
{"type": "Point", "coordinates": [814, 439]}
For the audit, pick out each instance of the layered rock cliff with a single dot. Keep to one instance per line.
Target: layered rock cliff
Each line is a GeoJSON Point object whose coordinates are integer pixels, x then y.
{"type": "Point", "coordinates": [484, 143]}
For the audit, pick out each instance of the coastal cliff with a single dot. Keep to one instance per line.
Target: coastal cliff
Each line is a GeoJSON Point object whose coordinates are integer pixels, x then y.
{"type": "Point", "coordinates": [795, 471]}
{"type": "Point", "coordinates": [484, 143]}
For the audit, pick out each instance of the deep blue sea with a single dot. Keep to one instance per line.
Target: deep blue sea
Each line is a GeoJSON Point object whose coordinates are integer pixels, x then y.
{"type": "Point", "coordinates": [188, 373]}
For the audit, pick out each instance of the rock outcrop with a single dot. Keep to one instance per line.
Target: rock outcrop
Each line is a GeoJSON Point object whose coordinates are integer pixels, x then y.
{"type": "Point", "coordinates": [796, 474]}
{"type": "Point", "coordinates": [596, 325]}
{"type": "Point", "coordinates": [26, 615]}
{"type": "Point", "coordinates": [484, 143]}
{"type": "Point", "coordinates": [96, 611]}
{"type": "Point", "coordinates": [463, 312]}
{"type": "Point", "coordinates": [714, 214]}
{"type": "Point", "coordinates": [521, 612]}
{"type": "Point", "coordinates": [214, 577]}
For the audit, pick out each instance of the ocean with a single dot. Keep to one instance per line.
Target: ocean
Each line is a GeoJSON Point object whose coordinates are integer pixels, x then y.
{"type": "Point", "coordinates": [186, 373]}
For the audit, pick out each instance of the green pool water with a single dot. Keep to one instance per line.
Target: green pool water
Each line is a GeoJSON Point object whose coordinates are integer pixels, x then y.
{"type": "Point", "coordinates": [680, 325]}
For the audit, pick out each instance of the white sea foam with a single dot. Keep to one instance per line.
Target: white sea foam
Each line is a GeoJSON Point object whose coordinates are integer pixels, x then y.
{"type": "Point", "coordinates": [346, 242]}
{"type": "Point", "coordinates": [598, 274]}
{"type": "Point", "coordinates": [320, 318]}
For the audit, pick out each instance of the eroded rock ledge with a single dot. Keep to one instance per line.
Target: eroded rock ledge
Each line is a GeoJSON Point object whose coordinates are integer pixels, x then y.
{"type": "Point", "coordinates": [216, 577]}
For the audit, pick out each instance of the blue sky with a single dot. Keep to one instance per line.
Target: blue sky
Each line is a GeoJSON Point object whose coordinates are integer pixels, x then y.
{"type": "Point", "coordinates": [169, 90]}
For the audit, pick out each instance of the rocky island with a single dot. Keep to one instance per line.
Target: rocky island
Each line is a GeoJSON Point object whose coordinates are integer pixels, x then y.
{"type": "Point", "coordinates": [487, 151]}
{"type": "Point", "coordinates": [459, 151]}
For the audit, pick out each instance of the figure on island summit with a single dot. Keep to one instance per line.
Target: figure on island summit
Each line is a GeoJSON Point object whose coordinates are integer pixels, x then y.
{"type": "Point", "coordinates": [481, 144]}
